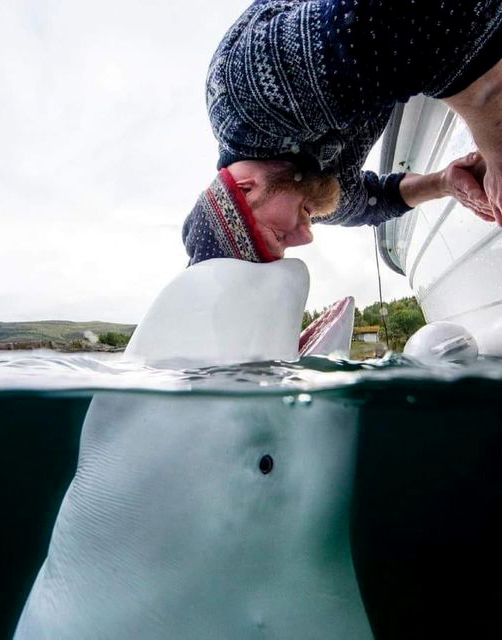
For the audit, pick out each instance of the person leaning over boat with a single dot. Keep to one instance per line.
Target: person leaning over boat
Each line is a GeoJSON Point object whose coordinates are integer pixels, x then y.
{"type": "Point", "coordinates": [311, 84]}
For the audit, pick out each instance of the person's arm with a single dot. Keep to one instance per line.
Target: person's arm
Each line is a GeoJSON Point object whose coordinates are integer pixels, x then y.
{"type": "Point", "coordinates": [480, 105]}
{"type": "Point", "coordinates": [366, 199]}
{"type": "Point", "coordinates": [461, 180]}
{"type": "Point", "coordinates": [373, 199]}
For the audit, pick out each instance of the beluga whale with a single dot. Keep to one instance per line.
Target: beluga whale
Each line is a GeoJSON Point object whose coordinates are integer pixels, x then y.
{"type": "Point", "coordinates": [208, 516]}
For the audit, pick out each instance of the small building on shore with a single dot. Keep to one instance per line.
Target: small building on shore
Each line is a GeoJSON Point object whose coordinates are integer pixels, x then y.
{"type": "Point", "coordinates": [366, 334]}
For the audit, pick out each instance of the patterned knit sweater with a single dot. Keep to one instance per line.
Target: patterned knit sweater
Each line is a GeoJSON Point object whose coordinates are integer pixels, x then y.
{"type": "Point", "coordinates": [316, 81]}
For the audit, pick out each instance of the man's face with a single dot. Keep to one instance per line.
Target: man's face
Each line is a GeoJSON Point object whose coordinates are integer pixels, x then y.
{"type": "Point", "coordinates": [283, 207]}
{"type": "Point", "coordinates": [284, 221]}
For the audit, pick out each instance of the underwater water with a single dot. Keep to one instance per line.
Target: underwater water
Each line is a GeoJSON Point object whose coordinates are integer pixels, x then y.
{"type": "Point", "coordinates": [419, 490]}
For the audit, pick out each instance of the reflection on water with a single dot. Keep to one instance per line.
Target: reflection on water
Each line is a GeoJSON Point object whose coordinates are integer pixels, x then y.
{"type": "Point", "coordinates": [52, 371]}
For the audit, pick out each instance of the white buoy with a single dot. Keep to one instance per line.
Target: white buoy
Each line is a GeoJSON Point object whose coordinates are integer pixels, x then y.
{"type": "Point", "coordinates": [442, 341]}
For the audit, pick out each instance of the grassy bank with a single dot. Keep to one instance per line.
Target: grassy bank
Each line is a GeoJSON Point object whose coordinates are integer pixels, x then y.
{"type": "Point", "coordinates": [60, 335]}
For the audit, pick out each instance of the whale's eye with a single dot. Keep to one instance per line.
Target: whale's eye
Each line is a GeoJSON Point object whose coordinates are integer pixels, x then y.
{"type": "Point", "coordinates": [266, 464]}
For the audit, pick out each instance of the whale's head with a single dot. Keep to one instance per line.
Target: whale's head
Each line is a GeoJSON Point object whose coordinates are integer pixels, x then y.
{"type": "Point", "coordinates": [225, 311]}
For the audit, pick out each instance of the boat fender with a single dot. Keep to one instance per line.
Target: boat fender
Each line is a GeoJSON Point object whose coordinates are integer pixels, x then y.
{"type": "Point", "coordinates": [442, 341]}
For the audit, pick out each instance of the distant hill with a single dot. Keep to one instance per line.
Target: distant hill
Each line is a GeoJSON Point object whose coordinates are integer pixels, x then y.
{"type": "Point", "coordinates": [56, 333]}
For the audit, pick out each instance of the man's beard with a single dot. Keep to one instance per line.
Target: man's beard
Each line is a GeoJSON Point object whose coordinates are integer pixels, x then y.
{"type": "Point", "coordinates": [322, 190]}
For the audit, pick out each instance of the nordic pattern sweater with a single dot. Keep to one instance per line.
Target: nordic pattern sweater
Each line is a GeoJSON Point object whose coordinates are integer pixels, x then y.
{"type": "Point", "coordinates": [316, 81]}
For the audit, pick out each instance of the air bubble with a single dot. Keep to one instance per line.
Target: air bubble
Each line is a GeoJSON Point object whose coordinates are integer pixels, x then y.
{"type": "Point", "coordinates": [289, 400]}
{"type": "Point", "coordinates": [305, 399]}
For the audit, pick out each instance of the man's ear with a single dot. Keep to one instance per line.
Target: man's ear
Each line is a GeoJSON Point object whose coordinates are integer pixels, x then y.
{"type": "Point", "coordinates": [246, 184]}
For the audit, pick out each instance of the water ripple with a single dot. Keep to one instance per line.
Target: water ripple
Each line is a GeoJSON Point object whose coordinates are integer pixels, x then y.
{"type": "Point", "coordinates": [48, 370]}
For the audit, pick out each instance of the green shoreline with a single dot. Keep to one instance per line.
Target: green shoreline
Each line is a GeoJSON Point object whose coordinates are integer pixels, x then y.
{"type": "Point", "coordinates": [61, 335]}
{"type": "Point", "coordinates": [61, 348]}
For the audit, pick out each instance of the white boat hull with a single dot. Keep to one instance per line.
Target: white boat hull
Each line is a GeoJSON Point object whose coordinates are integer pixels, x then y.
{"type": "Point", "coordinates": [452, 258]}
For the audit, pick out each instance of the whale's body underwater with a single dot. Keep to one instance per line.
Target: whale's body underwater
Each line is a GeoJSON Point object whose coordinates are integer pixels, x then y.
{"type": "Point", "coordinates": [197, 516]}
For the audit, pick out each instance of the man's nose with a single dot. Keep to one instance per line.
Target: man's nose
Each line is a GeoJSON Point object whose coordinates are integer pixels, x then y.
{"type": "Point", "coordinates": [304, 218]}
{"type": "Point", "coordinates": [300, 235]}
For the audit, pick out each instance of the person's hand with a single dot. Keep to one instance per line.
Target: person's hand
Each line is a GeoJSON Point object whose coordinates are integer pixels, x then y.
{"type": "Point", "coordinates": [480, 105]}
{"type": "Point", "coordinates": [464, 179]}
{"type": "Point", "coordinates": [492, 183]}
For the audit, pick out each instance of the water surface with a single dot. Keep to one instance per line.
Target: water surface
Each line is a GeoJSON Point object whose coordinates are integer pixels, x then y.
{"type": "Point", "coordinates": [40, 371]}
{"type": "Point", "coordinates": [426, 510]}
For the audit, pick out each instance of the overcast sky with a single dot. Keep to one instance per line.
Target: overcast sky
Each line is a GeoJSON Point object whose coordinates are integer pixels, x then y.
{"type": "Point", "coordinates": [104, 147]}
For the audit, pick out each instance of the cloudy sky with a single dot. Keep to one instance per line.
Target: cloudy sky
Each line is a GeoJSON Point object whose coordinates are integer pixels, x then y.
{"type": "Point", "coordinates": [104, 147]}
